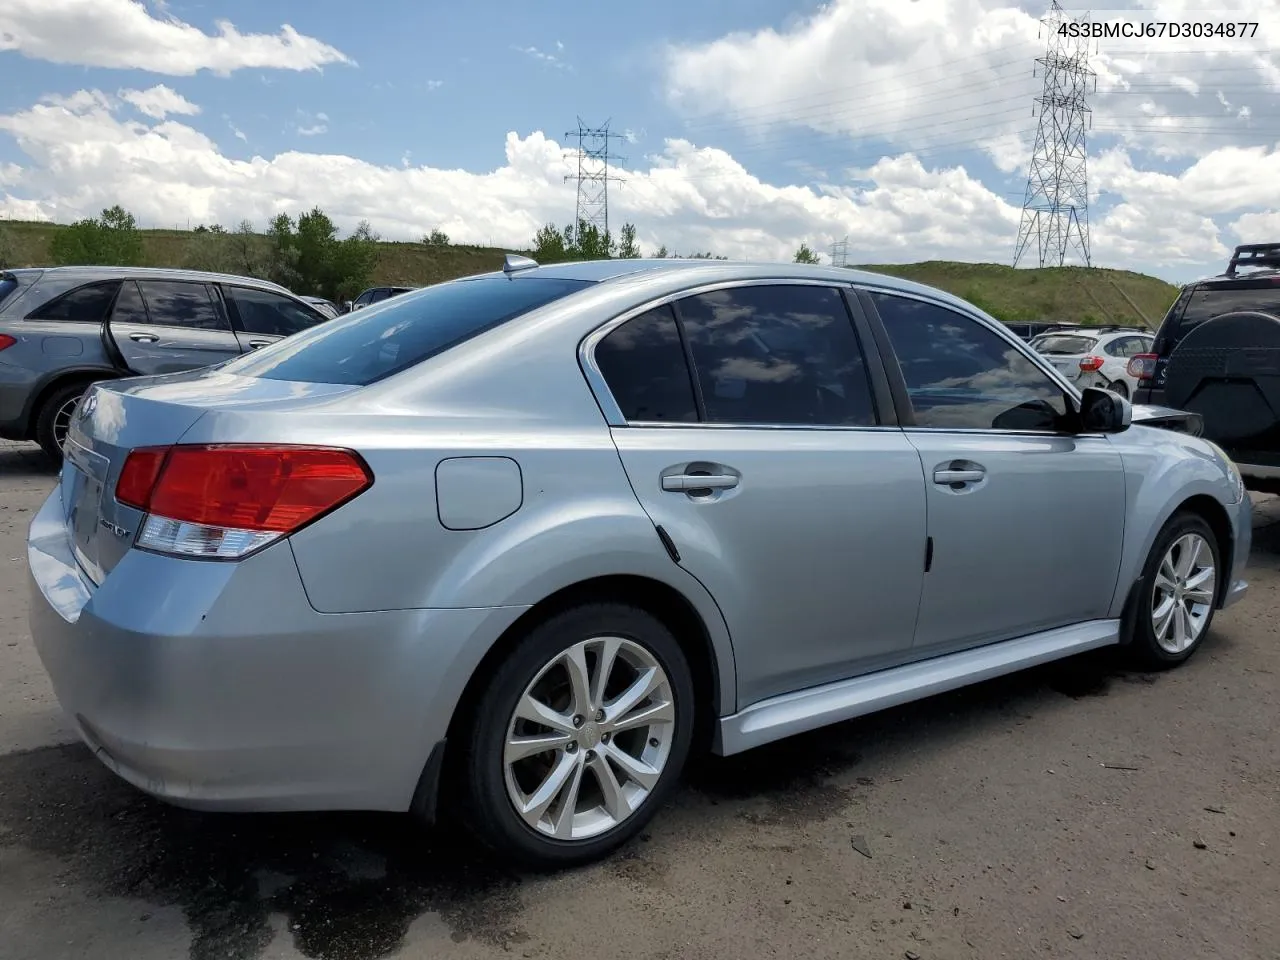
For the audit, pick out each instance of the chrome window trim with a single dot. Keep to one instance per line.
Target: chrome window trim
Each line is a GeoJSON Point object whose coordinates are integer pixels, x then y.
{"type": "Point", "coordinates": [604, 396]}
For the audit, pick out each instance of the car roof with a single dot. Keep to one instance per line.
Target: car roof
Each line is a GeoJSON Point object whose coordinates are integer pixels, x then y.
{"type": "Point", "coordinates": [677, 273]}
{"type": "Point", "coordinates": [154, 273]}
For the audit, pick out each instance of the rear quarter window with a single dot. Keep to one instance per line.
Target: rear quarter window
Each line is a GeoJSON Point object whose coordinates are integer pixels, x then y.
{"type": "Point", "coordinates": [7, 286]}
{"type": "Point", "coordinates": [369, 345]}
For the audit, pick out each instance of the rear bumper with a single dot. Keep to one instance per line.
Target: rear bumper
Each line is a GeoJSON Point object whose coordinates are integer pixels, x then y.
{"type": "Point", "coordinates": [217, 686]}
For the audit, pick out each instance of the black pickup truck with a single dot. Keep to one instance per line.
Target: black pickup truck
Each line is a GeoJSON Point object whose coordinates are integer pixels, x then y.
{"type": "Point", "coordinates": [1217, 354]}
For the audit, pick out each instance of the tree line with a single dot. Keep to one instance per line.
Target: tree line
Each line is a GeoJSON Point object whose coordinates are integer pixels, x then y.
{"type": "Point", "coordinates": [552, 244]}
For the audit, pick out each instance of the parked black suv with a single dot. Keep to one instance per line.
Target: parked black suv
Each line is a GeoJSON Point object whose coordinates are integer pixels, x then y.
{"type": "Point", "coordinates": [1217, 354]}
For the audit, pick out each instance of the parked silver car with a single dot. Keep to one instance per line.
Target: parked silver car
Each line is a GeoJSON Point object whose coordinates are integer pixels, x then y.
{"type": "Point", "coordinates": [63, 328]}
{"type": "Point", "coordinates": [524, 540]}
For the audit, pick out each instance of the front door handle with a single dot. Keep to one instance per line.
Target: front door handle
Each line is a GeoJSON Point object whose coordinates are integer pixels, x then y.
{"type": "Point", "coordinates": [143, 337]}
{"type": "Point", "coordinates": [948, 477]}
{"type": "Point", "coordinates": [255, 344]}
{"type": "Point", "coordinates": [682, 482]}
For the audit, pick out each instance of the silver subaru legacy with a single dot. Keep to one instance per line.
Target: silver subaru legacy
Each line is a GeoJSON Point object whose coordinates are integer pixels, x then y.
{"type": "Point", "coordinates": [513, 546]}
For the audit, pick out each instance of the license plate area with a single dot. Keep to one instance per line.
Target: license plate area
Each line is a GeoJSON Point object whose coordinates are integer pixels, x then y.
{"type": "Point", "coordinates": [82, 487]}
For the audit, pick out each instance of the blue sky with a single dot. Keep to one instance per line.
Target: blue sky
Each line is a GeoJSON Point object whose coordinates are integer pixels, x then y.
{"type": "Point", "coordinates": [747, 126]}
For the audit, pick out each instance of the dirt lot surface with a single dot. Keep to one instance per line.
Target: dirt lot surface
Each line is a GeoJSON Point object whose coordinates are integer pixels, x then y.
{"type": "Point", "coordinates": [1078, 811]}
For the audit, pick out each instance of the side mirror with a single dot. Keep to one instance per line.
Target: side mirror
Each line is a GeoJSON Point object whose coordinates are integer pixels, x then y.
{"type": "Point", "coordinates": [1102, 411]}
{"type": "Point", "coordinates": [348, 306]}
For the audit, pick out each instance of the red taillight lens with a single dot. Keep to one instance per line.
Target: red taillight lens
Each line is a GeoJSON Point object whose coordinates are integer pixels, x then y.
{"type": "Point", "coordinates": [6, 341]}
{"type": "Point", "coordinates": [138, 476]}
{"type": "Point", "coordinates": [1143, 365]}
{"type": "Point", "coordinates": [264, 488]}
{"type": "Point", "coordinates": [1090, 364]}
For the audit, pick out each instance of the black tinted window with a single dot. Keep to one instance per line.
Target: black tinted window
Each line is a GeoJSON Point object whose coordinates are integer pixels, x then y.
{"type": "Point", "coordinates": [643, 362]}
{"type": "Point", "coordinates": [362, 347]}
{"type": "Point", "coordinates": [7, 286]}
{"type": "Point", "coordinates": [129, 307]}
{"type": "Point", "coordinates": [1210, 301]}
{"type": "Point", "coordinates": [960, 375]}
{"type": "Point", "coordinates": [177, 304]}
{"type": "Point", "coordinates": [269, 313]}
{"type": "Point", "coordinates": [778, 355]}
{"type": "Point", "coordinates": [87, 304]}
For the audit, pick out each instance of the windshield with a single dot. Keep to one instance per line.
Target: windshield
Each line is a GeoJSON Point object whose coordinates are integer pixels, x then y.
{"type": "Point", "coordinates": [1211, 301]}
{"type": "Point", "coordinates": [382, 340]}
{"type": "Point", "coordinates": [8, 284]}
{"type": "Point", "coordinates": [1062, 346]}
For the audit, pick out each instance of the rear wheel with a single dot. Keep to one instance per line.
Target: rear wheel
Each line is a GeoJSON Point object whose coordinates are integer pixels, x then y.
{"type": "Point", "coordinates": [1178, 593]}
{"type": "Point", "coordinates": [579, 737]}
{"type": "Point", "coordinates": [1120, 387]}
{"type": "Point", "coordinates": [53, 421]}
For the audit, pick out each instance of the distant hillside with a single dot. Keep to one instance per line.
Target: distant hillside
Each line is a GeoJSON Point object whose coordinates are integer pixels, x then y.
{"type": "Point", "coordinates": [1061, 294]}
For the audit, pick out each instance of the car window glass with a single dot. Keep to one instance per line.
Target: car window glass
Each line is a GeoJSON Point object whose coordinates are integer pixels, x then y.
{"type": "Point", "coordinates": [777, 354]}
{"type": "Point", "coordinates": [267, 313]}
{"type": "Point", "coordinates": [7, 286]}
{"type": "Point", "coordinates": [87, 304]}
{"type": "Point", "coordinates": [1064, 346]}
{"type": "Point", "coordinates": [643, 362]}
{"type": "Point", "coordinates": [1211, 301]}
{"type": "Point", "coordinates": [1117, 348]}
{"type": "Point", "coordinates": [962, 376]}
{"type": "Point", "coordinates": [129, 307]}
{"type": "Point", "coordinates": [172, 303]}
{"type": "Point", "coordinates": [364, 346]}
{"type": "Point", "coordinates": [379, 295]}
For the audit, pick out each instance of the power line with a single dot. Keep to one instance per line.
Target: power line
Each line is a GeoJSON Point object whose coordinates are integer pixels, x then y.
{"type": "Point", "coordinates": [1055, 212]}
{"type": "Point", "coordinates": [840, 252]}
{"type": "Point", "coordinates": [593, 177]}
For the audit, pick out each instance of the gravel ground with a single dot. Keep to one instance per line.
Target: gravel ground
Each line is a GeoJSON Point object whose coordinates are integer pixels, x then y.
{"type": "Point", "coordinates": [1077, 811]}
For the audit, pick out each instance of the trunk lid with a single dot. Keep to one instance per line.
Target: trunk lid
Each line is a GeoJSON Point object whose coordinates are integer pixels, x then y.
{"type": "Point", "coordinates": [116, 417]}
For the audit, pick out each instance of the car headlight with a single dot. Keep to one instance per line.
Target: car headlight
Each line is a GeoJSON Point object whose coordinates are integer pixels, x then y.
{"type": "Point", "coordinates": [1233, 472]}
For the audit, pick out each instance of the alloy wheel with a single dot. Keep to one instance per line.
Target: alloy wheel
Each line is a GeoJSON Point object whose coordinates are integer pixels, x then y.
{"type": "Point", "coordinates": [62, 420]}
{"type": "Point", "coordinates": [589, 738]}
{"type": "Point", "coordinates": [1183, 594]}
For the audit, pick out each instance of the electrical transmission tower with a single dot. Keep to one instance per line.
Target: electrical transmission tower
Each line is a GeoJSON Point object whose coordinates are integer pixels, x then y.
{"type": "Point", "coordinates": [593, 176]}
{"type": "Point", "coordinates": [840, 253]}
{"type": "Point", "coordinates": [1055, 213]}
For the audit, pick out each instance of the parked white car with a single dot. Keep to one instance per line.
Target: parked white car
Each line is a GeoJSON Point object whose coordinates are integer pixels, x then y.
{"type": "Point", "coordinates": [1096, 357]}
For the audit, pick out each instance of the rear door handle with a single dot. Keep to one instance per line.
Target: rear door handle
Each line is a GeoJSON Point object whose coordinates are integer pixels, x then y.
{"type": "Point", "coordinates": [255, 344]}
{"type": "Point", "coordinates": [947, 477]}
{"type": "Point", "coordinates": [692, 481]}
{"type": "Point", "coordinates": [143, 337]}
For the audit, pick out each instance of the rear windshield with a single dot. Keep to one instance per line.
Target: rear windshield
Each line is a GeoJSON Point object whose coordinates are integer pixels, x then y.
{"type": "Point", "coordinates": [1063, 346]}
{"type": "Point", "coordinates": [1209, 301]}
{"type": "Point", "coordinates": [8, 284]}
{"type": "Point", "coordinates": [376, 342]}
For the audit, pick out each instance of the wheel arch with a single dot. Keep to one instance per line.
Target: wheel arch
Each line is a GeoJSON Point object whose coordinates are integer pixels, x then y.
{"type": "Point", "coordinates": [56, 382]}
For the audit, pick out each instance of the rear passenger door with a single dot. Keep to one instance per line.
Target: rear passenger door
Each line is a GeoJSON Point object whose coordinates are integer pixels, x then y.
{"type": "Point", "coordinates": [748, 425]}
{"type": "Point", "coordinates": [165, 326]}
{"type": "Point", "coordinates": [261, 317]}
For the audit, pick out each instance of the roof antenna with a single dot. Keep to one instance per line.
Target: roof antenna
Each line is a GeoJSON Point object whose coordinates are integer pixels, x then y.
{"type": "Point", "coordinates": [514, 263]}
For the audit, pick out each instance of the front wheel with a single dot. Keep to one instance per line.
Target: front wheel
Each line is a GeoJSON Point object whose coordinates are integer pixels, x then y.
{"type": "Point", "coordinates": [1178, 593]}
{"type": "Point", "coordinates": [580, 735]}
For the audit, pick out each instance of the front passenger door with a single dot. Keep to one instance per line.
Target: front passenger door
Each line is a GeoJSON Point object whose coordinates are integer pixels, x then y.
{"type": "Point", "coordinates": [1026, 516]}
{"type": "Point", "coordinates": [166, 326]}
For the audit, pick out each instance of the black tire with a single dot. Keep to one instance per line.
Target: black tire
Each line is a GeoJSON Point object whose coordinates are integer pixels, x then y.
{"type": "Point", "coordinates": [45, 433]}
{"type": "Point", "coordinates": [1119, 387]}
{"type": "Point", "coordinates": [1145, 649]}
{"type": "Point", "coordinates": [486, 807]}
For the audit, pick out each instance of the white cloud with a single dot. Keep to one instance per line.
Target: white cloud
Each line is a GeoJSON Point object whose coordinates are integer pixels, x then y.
{"type": "Point", "coordinates": [159, 101]}
{"type": "Point", "coordinates": [313, 131]}
{"type": "Point", "coordinates": [124, 34]}
{"type": "Point", "coordinates": [10, 174]}
{"type": "Point", "coordinates": [83, 153]}
{"type": "Point", "coordinates": [550, 59]}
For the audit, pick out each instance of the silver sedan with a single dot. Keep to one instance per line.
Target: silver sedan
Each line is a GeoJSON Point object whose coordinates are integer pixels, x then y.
{"type": "Point", "coordinates": [513, 546]}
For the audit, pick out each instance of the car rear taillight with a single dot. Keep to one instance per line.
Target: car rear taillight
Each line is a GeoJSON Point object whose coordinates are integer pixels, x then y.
{"type": "Point", "coordinates": [1090, 364]}
{"type": "Point", "coordinates": [1143, 365]}
{"type": "Point", "coordinates": [227, 500]}
{"type": "Point", "coordinates": [6, 341]}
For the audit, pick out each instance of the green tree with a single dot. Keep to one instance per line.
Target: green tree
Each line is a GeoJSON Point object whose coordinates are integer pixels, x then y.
{"type": "Point", "coordinates": [354, 260]}
{"type": "Point", "coordinates": [661, 253]}
{"type": "Point", "coordinates": [110, 240]}
{"type": "Point", "coordinates": [549, 244]}
{"type": "Point", "coordinates": [805, 255]}
{"type": "Point", "coordinates": [247, 252]}
{"type": "Point", "coordinates": [628, 249]}
{"type": "Point", "coordinates": [591, 244]}
{"type": "Point", "coordinates": [436, 238]}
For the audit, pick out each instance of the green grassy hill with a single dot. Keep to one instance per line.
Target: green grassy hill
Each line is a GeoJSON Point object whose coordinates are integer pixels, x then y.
{"type": "Point", "coordinates": [1060, 294]}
